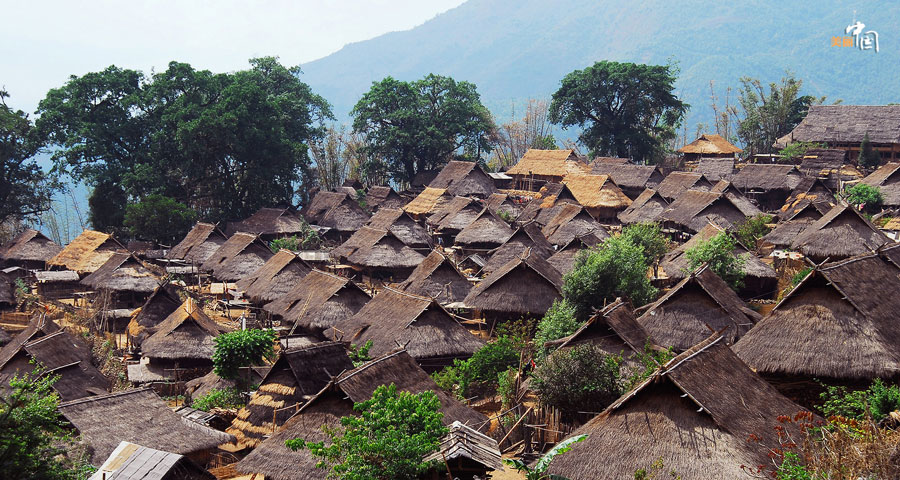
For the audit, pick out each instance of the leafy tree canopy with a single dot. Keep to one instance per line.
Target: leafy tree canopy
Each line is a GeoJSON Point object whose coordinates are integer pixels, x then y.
{"type": "Point", "coordinates": [868, 156]}
{"type": "Point", "coordinates": [159, 218]}
{"type": "Point", "coordinates": [718, 252]}
{"type": "Point", "coordinates": [241, 348]}
{"type": "Point", "coordinates": [867, 196]}
{"type": "Point", "coordinates": [421, 125]}
{"type": "Point", "coordinates": [649, 237]}
{"type": "Point", "coordinates": [626, 109]}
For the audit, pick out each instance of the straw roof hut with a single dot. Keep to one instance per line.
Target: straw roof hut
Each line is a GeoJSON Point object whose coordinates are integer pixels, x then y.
{"type": "Point", "coordinates": [538, 167]}
{"type": "Point", "coordinates": [836, 325]}
{"type": "Point", "coordinates": [319, 301]}
{"type": "Point", "coordinates": [887, 179]}
{"type": "Point", "coordinates": [186, 334]}
{"type": "Point", "coordinates": [487, 231]}
{"type": "Point", "coordinates": [201, 242]}
{"type": "Point", "coordinates": [277, 462]}
{"type": "Point", "coordinates": [677, 183]}
{"type": "Point", "coordinates": [810, 189]}
{"type": "Point", "coordinates": [403, 226]}
{"type": "Point", "coordinates": [466, 452]}
{"type": "Point", "coordinates": [419, 324]}
{"type": "Point", "coordinates": [501, 202]}
{"type": "Point", "coordinates": [464, 179]}
{"type": "Point", "coordinates": [570, 222]}
{"type": "Point", "coordinates": [123, 272]}
{"type": "Point", "coordinates": [709, 145]}
{"type": "Point", "coordinates": [647, 207]}
{"type": "Point", "coordinates": [427, 202]}
{"type": "Point", "coordinates": [296, 377]}
{"type": "Point", "coordinates": [158, 306]}
{"type": "Point", "coordinates": [237, 258]}
{"type": "Point", "coordinates": [599, 194]}
{"type": "Point", "coordinates": [767, 184]}
{"type": "Point", "coordinates": [275, 278]}
{"type": "Point", "coordinates": [382, 253]}
{"type": "Point", "coordinates": [130, 461]}
{"type": "Point", "coordinates": [29, 249]}
{"type": "Point", "coordinates": [824, 162]}
{"type": "Point", "coordinates": [454, 215]}
{"type": "Point", "coordinates": [715, 169]}
{"type": "Point", "coordinates": [87, 252]}
{"type": "Point", "coordinates": [138, 416]}
{"type": "Point", "coordinates": [378, 197]}
{"type": "Point", "coordinates": [632, 179]}
{"type": "Point", "coordinates": [694, 209]}
{"type": "Point", "coordinates": [269, 223]}
{"type": "Point", "coordinates": [564, 258]}
{"type": "Point", "coordinates": [696, 307]}
{"type": "Point", "coordinates": [795, 217]}
{"type": "Point", "coordinates": [336, 211]}
{"type": "Point", "coordinates": [525, 285]}
{"type": "Point", "coordinates": [614, 329]}
{"type": "Point", "coordinates": [842, 232]}
{"type": "Point", "coordinates": [525, 237]}
{"type": "Point", "coordinates": [202, 386]}
{"type": "Point", "coordinates": [39, 326]}
{"type": "Point", "coordinates": [847, 125]}
{"type": "Point", "coordinates": [438, 278]}
{"type": "Point", "coordinates": [694, 415]}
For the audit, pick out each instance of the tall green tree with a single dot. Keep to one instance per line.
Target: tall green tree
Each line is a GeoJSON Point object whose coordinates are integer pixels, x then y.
{"type": "Point", "coordinates": [626, 109]}
{"type": "Point", "coordinates": [421, 125]}
{"type": "Point", "coordinates": [868, 156]}
{"type": "Point", "coordinates": [159, 218]}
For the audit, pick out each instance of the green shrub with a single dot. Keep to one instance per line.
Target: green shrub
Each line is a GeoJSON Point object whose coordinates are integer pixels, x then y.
{"type": "Point", "coordinates": [877, 401]}
{"type": "Point", "coordinates": [583, 378]}
{"type": "Point", "coordinates": [868, 156]}
{"type": "Point", "coordinates": [558, 322]}
{"type": "Point", "coordinates": [219, 398]}
{"type": "Point", "coordinates": [359, 354]}
{"type": "Point", "coordinates": [506, 387]}
{"type": "Point", "coordinates": [650, 359]}
{"type": "Point", "coordinates": [752, 229]}
{"type": "Point", "coordinates": [648, 236]}
{"type": "Point", "coordinates": [467, 377]}
{"type": "Point", "coordinates": [792, 468]}
{"type": "Point", "coordinates": [506, 216]}
{"type": "Point", "coordinates": [241, 348]}
{"type": "Point", "coordinates": [718, 252]}
{"type": "Point", "coordinates": [307, 239]}
{"type": "Point", "coordinates": [868, 196]}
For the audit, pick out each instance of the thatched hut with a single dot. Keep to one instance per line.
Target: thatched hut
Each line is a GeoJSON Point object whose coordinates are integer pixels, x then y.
{"type": "Point", "coordinates": [378, 197]}
{"type": "Point", "coordinates": [453, 216]}
{"type": "Point", "coordinates": [183, 342]}
{"type": "Point", "coordinates": [466, 453]}
{"type": "Point", "coordinates": [295, 378]}
{"type": "Point", "coordinates": [693, 309]}
{"type": "Point", "coordinates": [632, 179]}
{"type": "Point", "coordinates": [419, 324]}
{"type": "Point", "coordinates": [381, 254]}
{"type": "Point", "coordinates": [794, 218]}
{"type": "Point", "coordinates": [237, 258]}
{"type": "Point", "coordinates": [88, 252]}
{"type": "Point", "coordinates": [830, 166]}
{"type": "Point", "coordinates": [570, 222]}
{"type": "Point", "coordinates": [53, 285]}
{"type": "Point", "coordinates": [694, 209]}
{"type": "Point", "coordinates": [564, 258]}
{"type": "Point", "coordinates": [130, 461]}
{"type": "Point", "coordinates": [598, 194]}
{"type": "Point", "coordinates": [438, 278]}
{"type": "Point", "coordinates": [614, 330]}
{"type": "Point", "coordinates": [465, 179]}
{"type": "Point", "coordinates": [139, 416]}
{"type": "Point", "coordinates": [647, 207]}
{"type": "Point", "coordinates": [269, 223]}
{"type": "Point", "coordinates": [539, 167]}
{"type": "Point", "coordinates": [427, 202]}
{"type": "Point", "coordinates": [810, 189]}
{"type": "Point", "coordinates": [769, 185]}
{"type": "Point", "coordinates": [842, 232]}
{"type": "Point", "coordinates": [694, 415]}
{"type": "Point", "coordinates": [275, 278]}
{"type": "Point", "coordinates": [709, 145]}
{"type": "Point", "coordinates": [845, 127]}
{"type": "Point", "coordinates": [677, 183]}
{"type": "Point", "coordinates": [161, 303]}
{"type": "Point", "coordinates": [527, 285]}
{"type": "Point", "coordinates": [127, 276]}
{"type": "Point", "coordinates": [715, 169]}
{"type": "Point", "coordinates": [336, 211]}
{"type": "Point", "coordinates": [505, 205]}
{"type": "Point", "coordinates": [403, 226]}
{"type": "Point", "coordinates": [277, 462]}
{"type": "Point", "coordinates": [487, 231]}
{"type": "Point", "coordinates": [30, 249]}
{"type": "Point", "coordinates": [528, 236]}
{"type": "Point", "coordinates": [319, 301]}
{"type": "Point", "coordinates": [201, 242]}
{"type": "Point", "coordinates": [37, 327]}
{"type": "Point", "coordinates": [887, 179]}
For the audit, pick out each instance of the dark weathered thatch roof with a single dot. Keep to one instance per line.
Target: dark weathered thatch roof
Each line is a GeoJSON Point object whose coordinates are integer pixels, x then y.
{"type": "Point", "coordinates": [321, 203]}
{"type": "Point", "coordinates": [65, 356]}
{"type": "Point", "coordinates": [137, 416]}
{"type": "Point", "coordinates": [847, 124]}
{"type": "Point", "coordinates": [202, 386]}
{"type": "Point", "coordinates": [691, 311]}
{"type": "Point", "coordinates": [815, 161]}
{"type": "Point", "coordinates": [564, 258]}
{"type": "Point", "coordinates": [715, 169]}
{"type": "Point", "coordinates": [319, 301]}
{"type": "Point", "coordinates": [87, 252]}
{"type": "Point", "coordinates": [237, 258]}
{"type": "Point", "coordinates": [614, 329]}
{"type": "Point", "coordinates": [436, 277]}
{"type": "Point", "coordinates": [273, 459]}
{"type": "Point", "coordinates": [763, 177]}
{"type": "Point", "coordinates": [810, 190]}
{"type": "Point", "coordinates": [30, 245]}
{"type": "Point", "coordinates": [710, 144]}
{"type": "Point", "coordinates": [526, 236]}
{"type": "Point", "coordinates": [694, 415]}
{"type": "Point", "coordinates": [130, 461]}
{"type": "Point", "coordinates": [548, 163]}
{"type": "Point", "coordinates": [296, 377]}
{"type": "Point", "coordinates": [381, 249]}
{"type": "Point", "coordinates": [123, 272]}
{"type": "Point", "coordinates": [487, 230]}
{"type": "Point", "coordinates": [379, 197]}
{"type": "Point", "coordinates": [275, 278]}
{"type": "Point", "coordinates": [454, 215]}
{"type": "Point", "coordinates": [572, 221]}
{"type": "Point", "coordinates": [269, 221]}
{"type": "Point", "coordinates": [464, 179]}
{"type": "Point", "coordinates": [198, 244]}
{"type": "Point", "coordinates": [629, 175]}
{"type": "Point", "coordinates": [527, 284]}
{"type": "Point", "coordinates": [501, 202]}
{"type": "Point", "coordinates": [887, 179]}
{"type": "Point", "coordinates": [419, 324]}
{"type": "Point", "coordinates": [676, 183]}
{"type": "Point", "coordinates": [840, 233]}
{"type": "Point", "coordinates": [645, 208]}
{"type": "Point", "coordinates": [336, 211]}
{"type": "Point", "coordinates": [676, 265]}
{"type": "Point", "coordinates": [187, 333]}
{"type": "Point", "coordinates": [836, 323]}
{"type": "Point", "coordinates": [465, 443]}
{"type": "Point", "coordinates": [693, 209]}
{"type": "Point", "coordinates": [161, 303]}
{"type": "Point", "coordinates": [402, 225]}
{"type": "Point", "coordinates": [39, 326]}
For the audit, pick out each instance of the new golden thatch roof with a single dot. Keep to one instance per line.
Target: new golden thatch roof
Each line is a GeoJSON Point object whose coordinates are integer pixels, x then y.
{"type": "Point", "coordinates": [710, 144]}
{"type": "Point", "coordinates": [548, 163]}
{"type": "Point", "coordinates": [87, 252]}
{"type": "Point", "coordinates": [596, 191]}
{"type": "Point", "coordinates": [426, 201]}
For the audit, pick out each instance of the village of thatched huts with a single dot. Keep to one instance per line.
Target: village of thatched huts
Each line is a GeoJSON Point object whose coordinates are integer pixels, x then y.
{"type": "Point", "coordinates": [438, 278]}
{"type": "Point", "coordinates": [842, 232]}
{"type": "Point", "coordinates": [198, 245]}
{"type": "Point", "coordinates": [527, 284]}
{"type": "Point", "coordinates": [317, 302]}
{"type": "Point", "coordinates": [88, 252]}
{"type": "Point", "coordinates": [275, 278]}
{"type": "Point", "coordinates": [29, 249]}
{"type": "Point", "coordinates": [269, 223]}
{"type": "Point", "coordinates": [539, 167]}
{"type": "Point", "coordinates": [237, 258]}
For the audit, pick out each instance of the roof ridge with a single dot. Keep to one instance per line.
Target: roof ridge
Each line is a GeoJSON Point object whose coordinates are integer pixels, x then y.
{"type": "Point", "coordinates": [369, 364]}
{"type": "Point", "coordinates": [104, 397]}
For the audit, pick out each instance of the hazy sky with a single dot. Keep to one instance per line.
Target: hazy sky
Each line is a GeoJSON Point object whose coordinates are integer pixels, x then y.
{"type": "Point", "coordinates": [43, 42]}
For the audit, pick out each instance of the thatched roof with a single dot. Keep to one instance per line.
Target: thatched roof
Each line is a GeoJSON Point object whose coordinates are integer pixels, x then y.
{"type": "Point", "coordinates": [379, 197]}
{"type": "Point", "coordinates": [614, 329]}
{"type": "Point", "coordinates": [842, 232]}
{"type": "Point", "coordinates": [548, 163]}
{"type": "Point", "coordinates": [887, 179]}
{"type": "Point", "coordinates": [645, 208]}
{"type": "Point", "coordinates": [269, 221]}
{"type": "Point", "coordinates": [846, 124]}
{"type": "Point", "coordinates": [419, 324]}
{"type": "Point", "coordinates": [381, 249]}
{"type": "Point", "coordinates": [427, 201]}
{"type": "Point", "coordinates": [455, 215]}
{"type": "Point", "coordinates": [39, 326]}
{"type": "Point", "coordinates": [123, 272]}
{"type": "Point", "coordinates": [337, 211]}
{"type": "Point", "coordinates": [572, 221]}
{"type": "Point", "coordinates": [677, 183]}
{"type": "Point", "coordinates": [464, 179]}
{"type": "Point", "coordinates": [237, 258]}
{"type": "Point", "coordinates": [810, 190]}
{"type": "Point", "coordinates": [137, 416]}
{"type": "Point", "coordinates": [161, 303]}
{"type": "Point", "coordinates": [763, 177]}
{"type": "Point", "coordinates": [202, 386]}
{"type": "Point", "coordinates": [296, 377]}
{"type": "Point", "coordinates": [319, 301]}
{"type": "Point", "coordinates": [837, 323]}
{"type": "Point", "coordinates": [29, 246]}
{"type": "Point", "coordinates": [273, 459]}
{"type": "Point", "coordinates": [67, 357]}
{"type": "Point", "coordinates": [610, 161]}
{"type": "Point", "coordinates": [715, 169]}
{"type": "Point", "coordinates": [465, 443]}
{"type": "Point", "coordinates": [710, 144]}
{"type": "Point", "coordinates": [501, 202]}
{"type": "Point", "coordinates": [693, 209]}
{"type": "Point", "coordinates": [822, 161]}
{"type": "Point", "coordinates": [525, 237]}
{"type": "Point", "coordinates": [676, 265]}
{"type": "Point", "coordinates": [596, 191]}
{"type": "Point", "coordinates": [321, 204]}
{"type": "Point", "coordinates": [198, 244]}
{"type": "Point", "coordinates": [487, 230]}
{"type": "Point", "coordinates": [694, 415]}
{"type": "Point", "coordinates": [527, 284]}
{"type": "Point", "coordinates": [564, 258]}
{"type": "Point", "coordinates": [436, 277]}
{"type": "Point", "coordinates": [402, 225]}
{"type": "Point", "coordinates": [691, 311]}
{"type": "Point", "coordinates": [275, 278]}
{"type": "Point", "coordinates": [187, 333]}
{"type": "Point", "coordinates": [629, 175]}
{"type": "Point", "coordinates": [130, 461]}
{"type": "Point", "coordinates": [87, 252]}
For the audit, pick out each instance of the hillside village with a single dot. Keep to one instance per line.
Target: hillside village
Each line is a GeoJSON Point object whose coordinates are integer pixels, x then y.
{"type": "Point", "coordinates": [406, 286]}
